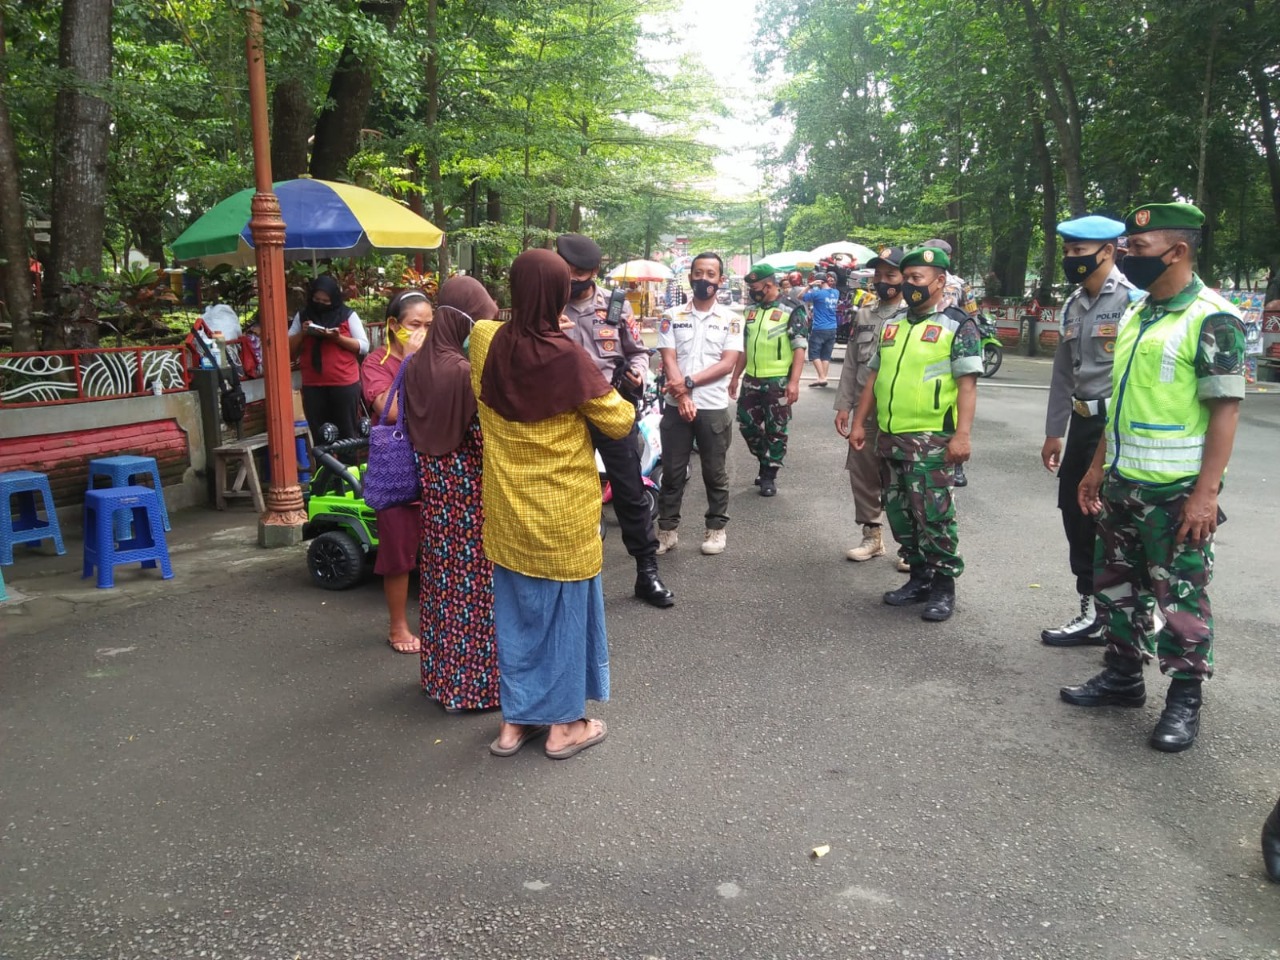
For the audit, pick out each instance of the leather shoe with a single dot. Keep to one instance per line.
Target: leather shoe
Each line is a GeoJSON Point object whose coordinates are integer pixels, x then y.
{"type": "Point", "coordinates": [1113, 687]}
{"type": "Point", "coordinates": [652, 590]}
{"type": "Point", "coordinates": [1271, 844]}
{"type": "Point", "coordinates": [1180, 722]}
{"type": "Point", "coordinates": [915, 590]}
{"type": "Point", "coordinates": [961, 479]}
{"type": "Point", "coordinates": [942, 599]}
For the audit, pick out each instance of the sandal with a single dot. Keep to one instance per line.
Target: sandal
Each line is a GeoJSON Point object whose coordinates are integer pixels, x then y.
{"type": "Point", "coordinates": [412, 646]}
{"type": "Point", "coordinates": [529, 733]}
{"type": "Point", "coordinates": [564, 753]}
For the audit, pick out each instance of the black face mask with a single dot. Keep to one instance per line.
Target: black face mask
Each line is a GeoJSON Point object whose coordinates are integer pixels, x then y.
{"type": "Point", "coordinates": [1144, 271]}
{"type": "Point", "coordinates": [704, 289]}
{"type": "Point", "coordinates": [757, 296]}
{"type": "Point", "coordinates": [1077, 269]}
{"type": "Point", "coordinates": [578, 288]}
{"type": "Point", "coordinates": [887, 291]}
{"type": "Point", "coordinates": [916, 294]}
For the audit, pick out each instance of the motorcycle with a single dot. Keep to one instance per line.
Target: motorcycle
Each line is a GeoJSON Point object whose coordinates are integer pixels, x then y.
{"type": "Point", "coordinates": [992, 348]}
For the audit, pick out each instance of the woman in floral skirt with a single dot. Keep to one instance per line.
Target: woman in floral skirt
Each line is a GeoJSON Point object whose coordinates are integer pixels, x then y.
{"type": "Point", "coordinates": [459, 658]}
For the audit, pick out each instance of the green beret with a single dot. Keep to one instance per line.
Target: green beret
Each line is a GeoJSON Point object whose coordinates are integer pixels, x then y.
{"type": "Point", "coordinates": [761, 271]}
{"type": "Point", "coordinates": [926, 257]}
{"type": "Point", "coordinates": [1164, 216]}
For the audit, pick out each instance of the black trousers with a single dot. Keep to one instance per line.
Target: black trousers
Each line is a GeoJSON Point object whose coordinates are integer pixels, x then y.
{"type": "Point", "coordinates": [336, 405]}
{"type": "Point", "coordinates": [622, 467]}
{"type": "Point", "coordinates": [1083, 436]}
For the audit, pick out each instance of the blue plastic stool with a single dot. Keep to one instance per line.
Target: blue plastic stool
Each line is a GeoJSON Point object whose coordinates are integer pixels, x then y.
{"type": "Point", "coordinates": [123, 471]}
{"type": "Point", "coordinates": [302, 444]}
{"type": "Point", "coordinates": [143, 508]}
{"type": "Point", "coordinates": [26, 527]}
{"type": "Point", "coordinates": [3, 596]}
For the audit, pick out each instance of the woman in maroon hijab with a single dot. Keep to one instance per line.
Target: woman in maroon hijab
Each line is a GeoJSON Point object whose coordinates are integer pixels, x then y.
{"type": "Point", "coordinates": [459, 662]}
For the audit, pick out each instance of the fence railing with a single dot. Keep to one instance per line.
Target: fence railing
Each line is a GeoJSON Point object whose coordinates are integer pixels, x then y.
{"type": "Point", "coordinates": [75, 376]}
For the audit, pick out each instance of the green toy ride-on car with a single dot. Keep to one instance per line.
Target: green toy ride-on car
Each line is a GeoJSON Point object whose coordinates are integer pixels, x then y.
{"type": "Point", "coordinates": [342, 528]}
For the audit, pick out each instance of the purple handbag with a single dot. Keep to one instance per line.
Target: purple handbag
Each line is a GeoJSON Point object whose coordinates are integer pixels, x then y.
{"type": "Point", "coordinates": [391, 478]}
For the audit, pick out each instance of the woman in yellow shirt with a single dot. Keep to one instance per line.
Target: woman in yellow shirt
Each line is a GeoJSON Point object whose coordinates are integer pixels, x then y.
{"type": "Point", "coordinates": [538, 390]}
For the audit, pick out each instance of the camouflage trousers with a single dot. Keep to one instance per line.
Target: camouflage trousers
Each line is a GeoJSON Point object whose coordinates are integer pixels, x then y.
{"type": "Point", "coordinates": [1137, 565]}
{"type": "Point", "coordinates": [763, 416]}
{"type": "Point", "coordinates": [922, 513]}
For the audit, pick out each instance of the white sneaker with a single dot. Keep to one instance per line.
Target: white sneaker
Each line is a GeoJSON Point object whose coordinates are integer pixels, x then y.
{"type": "Point", "coordinates": [713, 542]}
{"type": "Point", "coordinates": [667, 540]}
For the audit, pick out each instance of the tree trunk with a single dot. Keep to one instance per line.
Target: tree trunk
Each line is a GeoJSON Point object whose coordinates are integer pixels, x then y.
{"type": "Point", "coordinates": [1049, 217]}
{"type": "Point", "coordinates": [15, 280]}
{"type": "Point", "coordinates": [1262, 91]}
{"type": "Point", "coordinates": [434, 181]}
{"type": "Point", "coordinates": [350, 92]}
{"type": "Point", "coordinates": [1062, 105]}
{"type": "Point", "coordinates": [1204, 112]}
{"type": "Point", "coordinates": [81, 133]}
{"type": "Point", "coordinates": [292, 120]}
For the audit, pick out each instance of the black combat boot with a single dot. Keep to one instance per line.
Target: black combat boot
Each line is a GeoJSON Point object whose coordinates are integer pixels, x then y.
{"type": "Point", "coordinates": [1180, 722]}
{"type": "Point", "coordinates": [942, 599]}
{"type": "Point", "coordinates": [1271, 844]}
{"type": "Point", "coordinates": [1119, 685]}
{"type": "Point", "coordinates": [768, 481]}
{"type": "Point", "coordinates": [961, 479]}
{"type": "Point", "coordinates": [915, 590]}
{"type": "Point", "coordinates": [648, 587]}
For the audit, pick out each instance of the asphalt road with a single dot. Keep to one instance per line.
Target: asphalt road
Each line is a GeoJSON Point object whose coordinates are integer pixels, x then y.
{"type": "Point", "coordinates": [240, 768]}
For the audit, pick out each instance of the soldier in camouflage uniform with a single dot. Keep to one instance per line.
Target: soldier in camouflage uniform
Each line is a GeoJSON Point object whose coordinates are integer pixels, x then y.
{"type": "Point", "coordinates": [923, 391]}
{"type": "Point", "coordinates": [774, 337]}
{"type": "Point", "coordinates": [1177, 384]}
{"type": "Point", "coordinates": [956, 292]}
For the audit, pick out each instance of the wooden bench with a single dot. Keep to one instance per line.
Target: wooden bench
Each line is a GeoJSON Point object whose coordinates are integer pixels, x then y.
{"type": "Point", "coordinates": [241, 455]}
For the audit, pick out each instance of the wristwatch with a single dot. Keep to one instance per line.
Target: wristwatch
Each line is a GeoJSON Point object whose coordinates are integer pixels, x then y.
{"type": "Point", "coordinates": [688, 383]}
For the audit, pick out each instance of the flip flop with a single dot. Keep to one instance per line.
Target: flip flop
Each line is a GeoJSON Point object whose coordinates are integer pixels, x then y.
{"type": "Point", "coordinates": [564, 753]}
{"type": "Point", "coordinates": [818, 383]}
{"type": "Point", "coordinates": [528, 734]}
{"type": "Point", "coordinates": [405, 648]}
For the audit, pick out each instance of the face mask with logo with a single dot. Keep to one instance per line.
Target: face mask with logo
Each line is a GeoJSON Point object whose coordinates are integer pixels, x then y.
{"type": "Point", "coordinates": [578, 288]}
{"type": "Point", "coordinates": [703, 289]}
{"type": "Point", "coordinates": [915, 293]}
{"type": "Point", "coordinates": [1077, 269]}
{"type": "Point", "coordinates": [1144, 271]}
{"type": "Point", "coordinates": [887, 291]}
{"type": "Point", "coordinates": [757, 296]}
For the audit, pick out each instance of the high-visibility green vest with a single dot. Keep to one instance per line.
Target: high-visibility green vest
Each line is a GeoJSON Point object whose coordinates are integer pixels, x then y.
{"type": "Point", "coordinates": [1156, 423]}
{"type": "Point", "coordinates": [767, 344]}
{"type": "Point", "coordinates": [915, 391]}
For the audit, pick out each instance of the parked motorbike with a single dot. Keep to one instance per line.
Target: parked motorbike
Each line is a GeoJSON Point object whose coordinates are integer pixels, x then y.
{"type": "Point", "coordinates": [992, 348]}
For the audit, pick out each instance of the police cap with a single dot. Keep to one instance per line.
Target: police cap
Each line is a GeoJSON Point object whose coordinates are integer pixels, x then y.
{"type": "Point", "coordinates": [1164, 216]}
{"type": "Point", "coordinates": [926, 257]}
{"type": "Point", "coordinates": [940, 244]}
{"type": "Point", "coordinates": [1090, 228]}
{"type": "Point", "coordinates": [579, 251]}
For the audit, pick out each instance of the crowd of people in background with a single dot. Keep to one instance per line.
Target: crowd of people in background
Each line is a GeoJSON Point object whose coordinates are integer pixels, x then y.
{"type": "Point", "coordinates": [508, 419]}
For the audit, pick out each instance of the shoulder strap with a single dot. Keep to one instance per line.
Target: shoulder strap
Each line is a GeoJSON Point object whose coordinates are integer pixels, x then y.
{"type": "Point", "coordinates": [397, 390]}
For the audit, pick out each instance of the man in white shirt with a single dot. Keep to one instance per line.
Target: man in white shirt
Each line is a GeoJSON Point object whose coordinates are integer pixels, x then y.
{"type": "Point", "coordinates": [700, 341]}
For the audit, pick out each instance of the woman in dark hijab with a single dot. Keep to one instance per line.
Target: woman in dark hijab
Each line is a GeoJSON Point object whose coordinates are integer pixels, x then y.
{"type": "Point", "coordinates": [459, 659]}
{"type": "Point", "coordinates": [329, 340]}
{"type": "Point", "coordinates": [538, 391]}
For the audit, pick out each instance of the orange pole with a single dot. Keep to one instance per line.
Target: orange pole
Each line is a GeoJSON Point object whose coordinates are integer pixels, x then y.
{"type": "Point", "coordinates": [281, 524]}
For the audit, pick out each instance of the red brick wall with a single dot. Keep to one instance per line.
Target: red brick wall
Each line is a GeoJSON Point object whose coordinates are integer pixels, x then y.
{"type": "Point", "coordinates": [65, 456]}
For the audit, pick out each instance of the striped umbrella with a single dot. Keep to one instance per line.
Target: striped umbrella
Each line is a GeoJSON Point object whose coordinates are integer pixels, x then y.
{"type": "Point", "coordinates": [322, 219]}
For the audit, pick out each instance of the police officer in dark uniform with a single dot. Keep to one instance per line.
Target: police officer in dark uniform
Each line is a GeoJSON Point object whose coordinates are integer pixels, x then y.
{"type": "Point", "coordinates": [1078, 397]}
{"type": "Point", "coordinates": [622, 360]}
